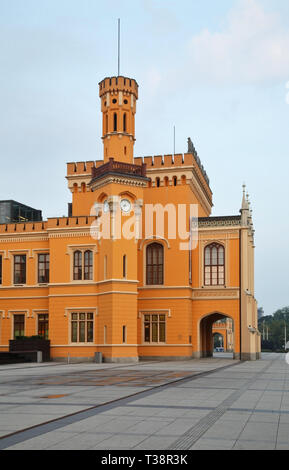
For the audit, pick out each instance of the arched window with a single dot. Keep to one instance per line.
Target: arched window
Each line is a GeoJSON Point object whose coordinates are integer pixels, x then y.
{"type": "Point", "coordinates": [115, 122]}
{"type": "Point", "coordinates": [88, 265]}
{"type": "Point", "coordinates": [124, 122]}
{"type": "Point", "coordinates": [77, 266]}
{"type": "Point", "coordinates": [214, 265]}
{"type": "Point", "coordinates": [155, 264]}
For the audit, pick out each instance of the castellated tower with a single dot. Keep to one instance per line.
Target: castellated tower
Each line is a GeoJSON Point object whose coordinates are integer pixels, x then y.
{"type": "Point", "coordinates": [118, 105]}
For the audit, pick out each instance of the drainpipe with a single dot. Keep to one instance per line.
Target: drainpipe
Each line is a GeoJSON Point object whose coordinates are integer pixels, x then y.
{"type": "Point", "coordinates": [240, 289]}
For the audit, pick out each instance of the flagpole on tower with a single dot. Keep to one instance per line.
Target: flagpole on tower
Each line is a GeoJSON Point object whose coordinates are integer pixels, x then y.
{"type": "Point", "coordinates": [118, 47]}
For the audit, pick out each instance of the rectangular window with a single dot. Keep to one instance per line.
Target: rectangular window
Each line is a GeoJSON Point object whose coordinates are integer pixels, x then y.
{"type": "Point", "coordinates": [105, 334]}
{"type": "Point", "coordinates": [155, 264]}
{"type": "Point", "coordinates": [0, 269]}
{"type": "Point", "coordinates": [43, 325]}
{"type": "Point", "coordinates": [20, 269]}
{"type": "Point", "coordinates": [124, 334]}
{"type": "Point", "coordinates": [19, 325]}
{"type": "Point", "coordinates": [88, 266]}
{"type": "Point", "coordinates": [124, 266]}
{"type": "Point", "coordinates": [43, 268]}
{"type": "Point", "coordinates": [82, 327]}
{"type": "Point", "coordinates": [154, 328]}
{"type": "Point", "coordinates": [77, 266]}
{"type": "Point", "coordinates": [83, 265]}
{"type": "Point", "coordinates": [105, 267]}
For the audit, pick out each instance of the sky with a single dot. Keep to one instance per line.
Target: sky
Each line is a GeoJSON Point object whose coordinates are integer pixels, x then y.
{"type": "Point", "coordinates": [217, 71]}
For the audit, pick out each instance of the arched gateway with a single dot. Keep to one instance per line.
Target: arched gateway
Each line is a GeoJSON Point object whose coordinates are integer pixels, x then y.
{"type": "Point", "coordinates": [217, 331]}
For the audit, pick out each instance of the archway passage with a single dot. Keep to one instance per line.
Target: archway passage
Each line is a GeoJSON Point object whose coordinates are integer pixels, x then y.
{"type": "Point", "coordinates": [219, 340]}
{"type": "Point", "coordinates": [217, 336]}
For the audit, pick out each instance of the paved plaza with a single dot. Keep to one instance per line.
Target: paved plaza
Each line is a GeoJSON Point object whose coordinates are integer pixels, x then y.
{"type": "Point", "coordinates": [207, 404]}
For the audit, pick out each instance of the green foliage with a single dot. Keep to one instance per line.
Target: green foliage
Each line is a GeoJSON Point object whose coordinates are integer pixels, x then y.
{"type": "Point", "coordinates": [275, 325]}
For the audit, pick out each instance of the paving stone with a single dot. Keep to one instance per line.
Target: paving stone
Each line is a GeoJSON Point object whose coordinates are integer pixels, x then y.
{"type": "Point", "coordinates": [213, 444]}
{"type": "Point", "coordinates": [254, 445]}
{"type": "Point", "coordinates": [242, 407]}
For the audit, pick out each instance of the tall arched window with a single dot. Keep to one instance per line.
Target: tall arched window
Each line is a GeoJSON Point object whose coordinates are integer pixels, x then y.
{"type": "Point", "coordinates": [155, 264]}
{"type": "Point", "coordinates": [214, 265]}
{"type": "Point", "coordinates": [88, 265]}
{"type": "Point", "coordinates": [77, 266]}
{"type": "Point", "coordinates": [124, 122]}
{"type": "Point", "coordinates": [115, 122]}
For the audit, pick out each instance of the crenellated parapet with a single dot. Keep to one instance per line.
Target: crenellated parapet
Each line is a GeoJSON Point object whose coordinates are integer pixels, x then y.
{"type": "Point", "coordinates": [52, 224]}
{"type": "Point", "coordinates": [82, 168]}
{"type": "Point", "coordinates": [175, 170]}
{"type": "Point", "coordinates": [174, 161]}
{"type": "Point", "coordinates": [23, 227]}
{"type": "Point", "coordinates": [79, 174]}
{"type": "Point", "coordinates": [66, 223]}
{"type": "Point", "coordinates": [113, 85]}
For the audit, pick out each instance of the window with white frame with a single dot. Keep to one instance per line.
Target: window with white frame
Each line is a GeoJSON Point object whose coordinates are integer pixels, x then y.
{"type": "Point", "coordinates": [83, 265]}
{"type": "Point", "coordinates": [82, 326]}
{"type": "Point", "coordinates": [154, 328]}
{"type": "Point", "coordinates": [214, 265]}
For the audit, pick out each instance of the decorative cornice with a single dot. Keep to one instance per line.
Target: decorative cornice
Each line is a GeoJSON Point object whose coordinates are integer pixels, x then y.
{"type": "Point", "coordinates": [227, 221]}
{"type": "Point", "coordinates": [22, 237]}
{"type": "Point", "coordinates": [221, 293]}
{"type": "Point", "coordinates": [119, 179]}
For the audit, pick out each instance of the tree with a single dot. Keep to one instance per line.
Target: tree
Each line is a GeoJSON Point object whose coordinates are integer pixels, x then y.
{"type": "Point", "coordinates": [260, 312]}
{"type": "Point", "coordinates": [272, 329]}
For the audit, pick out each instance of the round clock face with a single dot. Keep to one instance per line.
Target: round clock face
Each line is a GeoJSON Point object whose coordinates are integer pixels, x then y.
{"type": "Point", "coordinates": [125, 205]}
{"type": "Point", "coordinates": [105, 207]}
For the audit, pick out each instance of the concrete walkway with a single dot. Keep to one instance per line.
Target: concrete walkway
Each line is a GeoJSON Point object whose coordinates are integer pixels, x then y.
{"type": "Point", "coordinates": [200, 404]}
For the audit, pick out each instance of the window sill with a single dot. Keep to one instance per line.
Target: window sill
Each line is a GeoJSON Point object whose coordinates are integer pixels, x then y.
{"type": "Point", "coordinates": [154, 344]}
{"type": "Point", "coordinates": [154, 285]}
{"type": "Point", "coordinates": [214, 287]}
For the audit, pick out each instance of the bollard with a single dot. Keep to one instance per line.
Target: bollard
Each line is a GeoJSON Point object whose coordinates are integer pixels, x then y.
{"type": "Point", "coordinates": [39, 356]}
{"type": "Point", "coordinates": [98, 357]}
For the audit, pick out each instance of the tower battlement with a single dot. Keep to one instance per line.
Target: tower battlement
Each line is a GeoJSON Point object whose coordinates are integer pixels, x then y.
{"type": "Point", "coordinates": [23, 227]}
{"type": "Point", "coordinates": [116, 84]}
{"type": "Point", "coordinates": [82, 168]}
{"type": "Point", "coordinates": [174, 161]}
{"type": "Point", "coordinates": [50, 224]}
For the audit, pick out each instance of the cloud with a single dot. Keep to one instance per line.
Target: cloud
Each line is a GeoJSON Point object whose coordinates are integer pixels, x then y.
{"type": "Point", "coordinates": [252, 47]}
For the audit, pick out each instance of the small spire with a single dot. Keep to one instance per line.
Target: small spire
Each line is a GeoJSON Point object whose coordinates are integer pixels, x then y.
{"type": "Point", "coordinates": [244, 198]}
{"type": "Point", "coordinates": [245, 212]}
{"type": "Point", "coordinates": [245, 202]}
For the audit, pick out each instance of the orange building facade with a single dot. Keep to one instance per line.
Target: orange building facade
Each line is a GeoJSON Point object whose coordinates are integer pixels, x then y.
{"type": "Point", "coordinates": [140, 269]}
